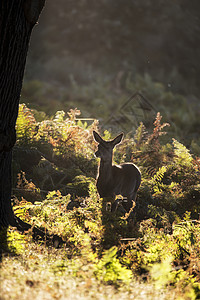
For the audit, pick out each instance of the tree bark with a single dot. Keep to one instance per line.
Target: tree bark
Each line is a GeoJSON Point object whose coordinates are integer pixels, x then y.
{"type": "Point", "coordinates": [17, 18]}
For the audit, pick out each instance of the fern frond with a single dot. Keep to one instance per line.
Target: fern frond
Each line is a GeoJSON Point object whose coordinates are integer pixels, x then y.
{"type": "Point", "coordinates": [182, 155]}
{"type": "Point", "coordinates": [159, 174]}
{"type": "Point", "coordinates": [157, 179]}
{"type": "Point", "coordinates": [140, 134]}
{"type": "Point", "coordinates": [158, 127]}
{"type": "Point", "coordinates": [25, 125]}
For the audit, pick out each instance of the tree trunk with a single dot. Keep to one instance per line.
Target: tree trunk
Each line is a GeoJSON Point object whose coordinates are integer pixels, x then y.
{"type": "Point", "coordinates": [17, 19]}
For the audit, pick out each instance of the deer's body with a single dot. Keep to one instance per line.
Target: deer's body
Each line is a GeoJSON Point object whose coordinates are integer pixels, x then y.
{"type": "Point", "coordinates": [112, 179]}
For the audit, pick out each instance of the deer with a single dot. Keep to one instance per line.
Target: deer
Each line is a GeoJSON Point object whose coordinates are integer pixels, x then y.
{"type": "Point", "coordinates": [112, 180]}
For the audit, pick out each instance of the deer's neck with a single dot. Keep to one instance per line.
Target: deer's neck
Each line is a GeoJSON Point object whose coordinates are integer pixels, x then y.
{"type": "Point", "coordinates": [104, 179]}
{"type": "Point", "coordinates": [105, 170]}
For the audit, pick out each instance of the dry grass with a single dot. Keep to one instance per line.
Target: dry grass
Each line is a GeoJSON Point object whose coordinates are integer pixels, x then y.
{"type": "Point", "coordinates": [43, 273]}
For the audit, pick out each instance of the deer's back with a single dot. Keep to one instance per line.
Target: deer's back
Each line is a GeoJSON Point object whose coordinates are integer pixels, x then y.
{"type": "Point", "coordinates": [127, 176]}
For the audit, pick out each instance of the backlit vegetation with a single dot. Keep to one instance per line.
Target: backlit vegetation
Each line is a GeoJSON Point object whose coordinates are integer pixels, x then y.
{"type": "Point", "coordinates": [151, 253]}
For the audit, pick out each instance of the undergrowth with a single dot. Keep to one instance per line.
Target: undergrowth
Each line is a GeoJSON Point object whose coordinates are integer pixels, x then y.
{"type": "Point", "coordinates": [156, 245]}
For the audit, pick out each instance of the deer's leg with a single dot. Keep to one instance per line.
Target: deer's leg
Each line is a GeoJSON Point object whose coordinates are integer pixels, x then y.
{"type": "Point", "coordinates": [129, 202]}
{"type": "Point", "coordinates": [115, 205]}
{"type": "Point", "coordinates": [107, 204]}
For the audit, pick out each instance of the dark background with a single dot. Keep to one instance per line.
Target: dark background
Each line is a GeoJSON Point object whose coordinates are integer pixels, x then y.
{"type": "Point", "coordinates": [95, 54]}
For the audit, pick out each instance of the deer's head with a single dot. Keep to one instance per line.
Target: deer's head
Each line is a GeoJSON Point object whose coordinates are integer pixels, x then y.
{"type": "Point", "coordinates": [105, 148]}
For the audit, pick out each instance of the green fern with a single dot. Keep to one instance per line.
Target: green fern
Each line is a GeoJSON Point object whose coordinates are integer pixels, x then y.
{"type": "Point", "coordinates": [110, 270]}
{"type": "Point", "coordinates": [140, 134]}
{"type": "Point", "coordinates": [157, 180]}
{"type": "Point", "coordinates": [182, 155]}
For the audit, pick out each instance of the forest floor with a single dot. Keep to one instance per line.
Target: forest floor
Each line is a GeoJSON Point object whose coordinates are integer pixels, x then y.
{"type": "Point", "coordinates": [40, 272]}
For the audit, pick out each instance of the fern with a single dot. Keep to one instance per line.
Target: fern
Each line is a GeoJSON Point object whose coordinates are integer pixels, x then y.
{"type": "Point", "coordinates": [182, 156]}
{"type": "Point", "coordinates": [157, 180]}
{"type": "Point", "coordinates": [158, 129]}
{"type": "Point", "coordinates": [140, 134]}
{"type": "Point", "coordinates": [59, 116]}
{"type": "Point", "coordinates": [25, 125]}
{"type": "Point", "coordinates": [109, 269]}
{"type": "Point", "coordinates": [147, 150]}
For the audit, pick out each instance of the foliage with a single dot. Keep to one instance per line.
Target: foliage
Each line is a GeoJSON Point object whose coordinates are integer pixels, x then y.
{"type": "Point", "coordinates": [132, 41]}
{"type": "Point", "coordinates": [182, 156]}
{"type": "Point", "coordinates": [98, 73]}
{"type": "Point", "coordinates": [102, 100]}
{"type": "Point", "coordinates": [25, 125]}
{"type": "Point", "coordinates": [110, 270]}
{"type": "Point", "coordinates": [158, 241]}
{"type": "Point", "coordinates": [53, 153]}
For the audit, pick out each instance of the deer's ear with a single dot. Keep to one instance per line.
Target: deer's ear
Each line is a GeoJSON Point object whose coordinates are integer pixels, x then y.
{"type": "Point", "coordinates": [97, 137]}
{"type": "Point", "coordinates": [118, 139]}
